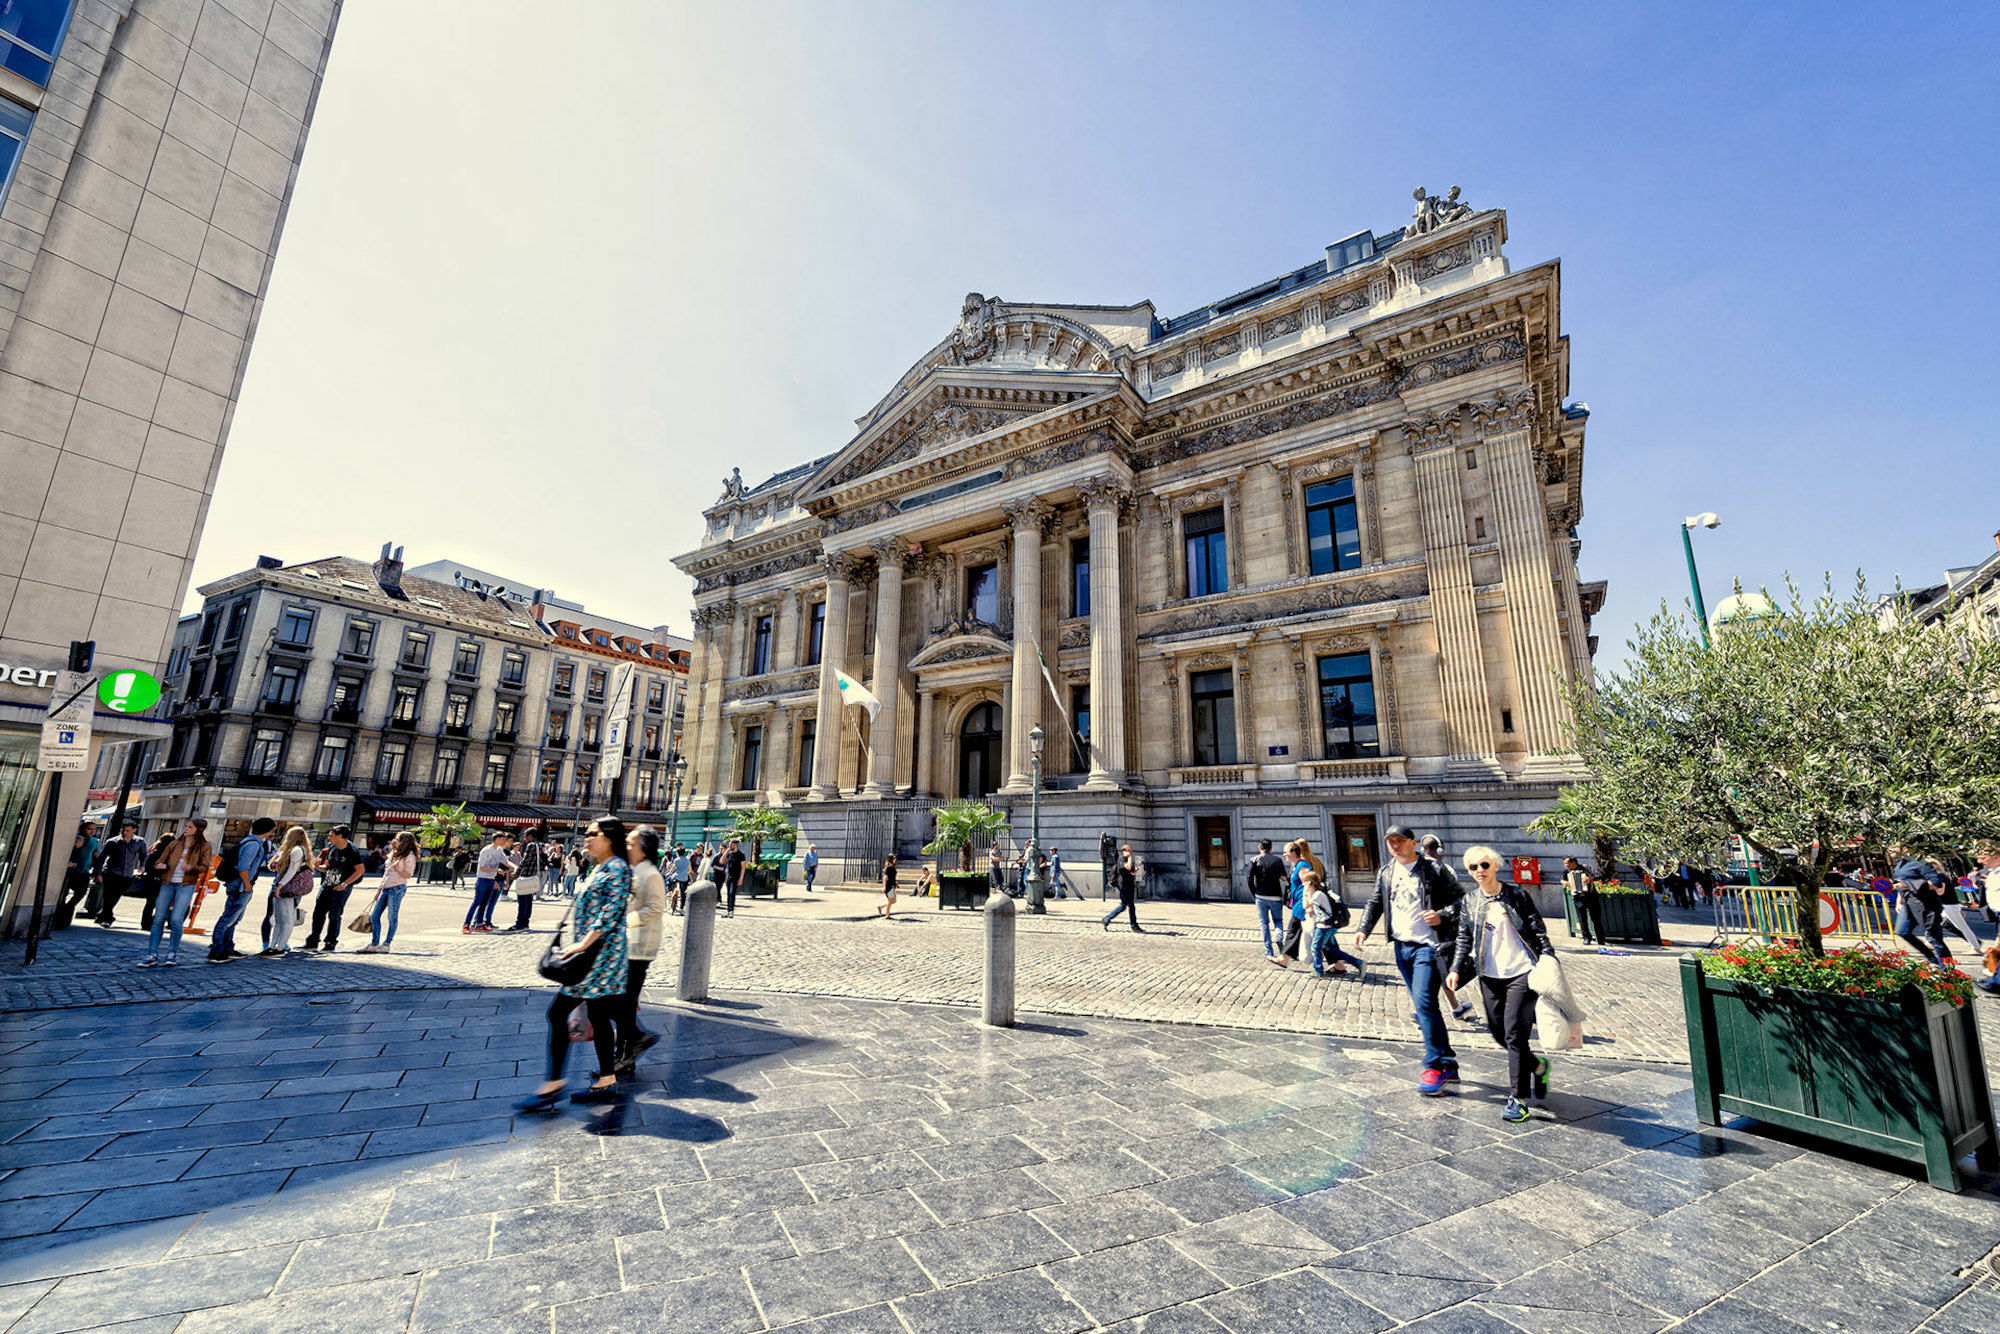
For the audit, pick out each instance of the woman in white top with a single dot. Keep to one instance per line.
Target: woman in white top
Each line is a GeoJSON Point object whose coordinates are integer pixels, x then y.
{"type": "Point", "coordinates": [1501, 932]}
{"type": "Point", "coordinates": [397, 868]}
{"type": "Point", "coordinates": [646, 923]}
{"type": "Point", "coordinates": [293, 860]}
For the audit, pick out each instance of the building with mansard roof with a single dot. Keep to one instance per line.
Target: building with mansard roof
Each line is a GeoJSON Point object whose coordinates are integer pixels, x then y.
{"type": "Point", "coordinates": [1301, 562]}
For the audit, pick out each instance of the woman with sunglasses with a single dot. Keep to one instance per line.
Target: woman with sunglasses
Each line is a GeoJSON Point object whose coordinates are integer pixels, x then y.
{"type": "Point", "coordinates": [597, 920]}
{"type": "Point", "coordinates": [1501, 933]}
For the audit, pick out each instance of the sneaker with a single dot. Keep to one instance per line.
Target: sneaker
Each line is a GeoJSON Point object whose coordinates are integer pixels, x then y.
{"type": "Point", "coordinates": [148, 962]}
{"type": "Point", "coordinates": [1431, 1083]}
{"type": "Point", "coordinates": [465, 930]}
{"type": "Point", "coordinates": [1463, 1012]}
{"type": "Point", "coordinates": [170, 963]}
{"type": "Point", "coordinates": [1514, 1111]}
{"type": "Point", "coordinates": [270, 954]}
{"type": "Point", "coordinates": [217, 958]}
{"type": "Point", "coordinates": [1451, 1074]}
{"type": "Point", "coordinates": [1541, 1080]}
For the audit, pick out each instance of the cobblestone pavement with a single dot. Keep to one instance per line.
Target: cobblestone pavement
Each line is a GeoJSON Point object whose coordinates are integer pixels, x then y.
{"type": "Point", "coordinates": [1196, 963]}
{"type": "Point", "coordinates": [350, 1162]}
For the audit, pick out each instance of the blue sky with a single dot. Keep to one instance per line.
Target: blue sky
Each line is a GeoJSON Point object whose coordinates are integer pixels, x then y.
{"type": "Point", "coordinates": [539, 291]}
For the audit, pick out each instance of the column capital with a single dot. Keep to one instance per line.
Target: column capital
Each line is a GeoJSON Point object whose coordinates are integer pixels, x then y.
{"type": "Point", "coordinates": [889, 551]}
{"type": "Point", "coordinates": [1103, 493]}
{"type": "Point", "coordinates": [1032, 514]}
{"type": "Point", "coordinates": [842, 565]}
{"type": "Point", "coordinates": [715, 613]}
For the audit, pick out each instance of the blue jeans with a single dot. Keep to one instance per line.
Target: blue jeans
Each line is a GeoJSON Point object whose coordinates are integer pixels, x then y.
{"type": "Point", "coordinates": [222, 937]}
{"type": "Point", "coordinates": [484, 892]}
{"type": "Point", "coordinates": [1326, 949]}
{"type": "Point", "coordinates": [1270, 917]}
{"type": "Point", "coordinates": [1419, 967]}
{"type": "Point", "coordinates": [382, 918]}
{"type": "Point", "coordinates": [170, 908]}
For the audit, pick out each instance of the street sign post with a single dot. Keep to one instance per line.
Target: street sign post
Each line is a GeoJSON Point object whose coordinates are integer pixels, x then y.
{"type": "Point", "coordinates": [74, 698]}
{"type": "Point", "coordinates": [69, 713]}
{"type": "Point", "coordinates": [65, 748]}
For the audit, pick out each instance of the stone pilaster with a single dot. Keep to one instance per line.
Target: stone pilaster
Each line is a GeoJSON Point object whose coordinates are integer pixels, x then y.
{"type": "Point", "coordinates": [1454, 614]}
{"type": "Point", "coordinates": [927, 742]}
{"type": "Point", "coordinates": [1539, 663]}
{"type": "Point", "coordinates": [840, 569]}
{"type": "Point", "coordinates": [1104, 500]}
{"type": "Point", "coordinates": [888, 665]}
{"type": "Point", "coordinates": [1027, 519]}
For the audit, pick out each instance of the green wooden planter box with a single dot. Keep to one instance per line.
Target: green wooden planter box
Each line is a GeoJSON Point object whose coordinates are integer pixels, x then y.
{"type": "Point", "coordinates": [1896, 1075]}
{"type": "Point", "coordinates": [962, 889]}
{"type": "Point", "coordinates": [760, 881]}
{"type": "Point", "coordinates": [1629, 919]}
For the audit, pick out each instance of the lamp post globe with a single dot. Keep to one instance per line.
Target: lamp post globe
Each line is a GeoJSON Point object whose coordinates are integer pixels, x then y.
{"type": "Point", "coordinates": [1031, 878]}
{"type": "Point", "coordinates": [1688, 525]}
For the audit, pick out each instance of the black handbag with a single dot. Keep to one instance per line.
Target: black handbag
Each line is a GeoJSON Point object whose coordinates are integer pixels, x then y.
{"type": "Point", "coordinates": [565, 972]}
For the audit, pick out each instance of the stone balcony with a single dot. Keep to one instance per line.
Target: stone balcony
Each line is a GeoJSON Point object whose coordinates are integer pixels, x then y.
{"type": "Point", "coordinates": [1213, 775]}
{"type": "Point", "coordinates": [1384, 769]}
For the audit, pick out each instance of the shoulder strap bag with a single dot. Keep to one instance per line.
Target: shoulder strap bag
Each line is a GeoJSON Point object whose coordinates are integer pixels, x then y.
{"type": "Point", "coordinates": [569, 971]}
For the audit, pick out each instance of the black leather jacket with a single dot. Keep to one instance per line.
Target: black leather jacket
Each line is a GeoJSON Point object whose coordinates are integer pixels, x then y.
{"type": "Point", "coordinates": [1441, 894]}
{"type": "Point", "coordinates": [1521, 911]}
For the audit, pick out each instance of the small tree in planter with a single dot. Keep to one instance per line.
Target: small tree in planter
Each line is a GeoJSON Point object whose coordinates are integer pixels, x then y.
{"type": "Point", "coordinates": [960, 824]}
{"type": "Point", "coordinates": [758, 823]}
{"type": "Point", "coordinates": [1820, 731]}
{"type": "Point", "coordinates": [446, 825]}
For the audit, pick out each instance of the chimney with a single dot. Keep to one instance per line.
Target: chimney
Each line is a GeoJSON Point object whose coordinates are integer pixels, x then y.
{"type": "Point", "coordinates": [269, 563]}
{"type": "Point", "coordinates": [1996, 539]}
{"type": "Point", "coordinates": [389, 569]}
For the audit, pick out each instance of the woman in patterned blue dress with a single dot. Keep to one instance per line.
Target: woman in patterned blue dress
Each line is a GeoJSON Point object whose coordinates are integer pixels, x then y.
{"type": "Point", "coordinates": [599, 915]}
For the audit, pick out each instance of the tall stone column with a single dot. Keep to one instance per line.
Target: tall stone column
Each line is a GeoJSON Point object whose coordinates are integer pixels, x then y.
{"type": "Point", "coordinates": [826, 741]}
{"type": "Point", "coordinates": [927, 742]}
{"type": "Point", "coordinates": [888, 665]}
{"type": "Point", "coordinates": [1454, 614]}
{"type": "Point", "coordinates": [1104, 499]}
{"type": "Point", "coordinates": [1539, 661]}
{"type": "Point", "coordinates": [1027, 519]}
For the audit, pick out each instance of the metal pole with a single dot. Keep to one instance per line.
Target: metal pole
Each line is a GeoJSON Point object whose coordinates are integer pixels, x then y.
{"type": "Point", "coordinates": [81, 651]}
{"type": "Point", "coordinates": [1037, 892]}
{"type": "Point", "coordinates": [1694, 579]}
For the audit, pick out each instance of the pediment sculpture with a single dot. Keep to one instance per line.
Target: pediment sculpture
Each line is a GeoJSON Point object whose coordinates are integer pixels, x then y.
{"type": "Point", "coordinates": [973, 339]}
{"type": "Point", "coordinates": [1433, 212]}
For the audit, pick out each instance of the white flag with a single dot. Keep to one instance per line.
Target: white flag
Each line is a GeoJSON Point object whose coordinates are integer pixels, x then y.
{"type": "Point", "coordinates": [853, 692]}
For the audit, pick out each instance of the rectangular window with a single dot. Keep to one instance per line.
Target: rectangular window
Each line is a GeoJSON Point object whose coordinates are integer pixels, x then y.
{"type": "Point", "coordinates": [513, 667]}
{"type": "Point", "coordinates": [586, 781]}
{"type": "Point", "coordinates": [408, 703]}
{"type": "Point", "coordinates": [656, 695]}
{"type": "Point", "coordinates": [330, 765]}
{"type": "Point", "coordinates": [295, 624]}
{"type": "Point", "coordinates": [982, 593]}
{"type": "Point", "coordinates": [593, 730]}
{"type": "Point", "coordinates": [645, 793]}
{"type": "Point", "coordinates": [457, 710]}
{"type": "Point", "coordinates": [558, 734]}
{"type": "Point", "coordinates": [267, 748]}
{"type": "Point", "coordinates": [496, 775]}
{"type": "Point", "coordinates": [359, 641]}
{"type": "Point", "coordinates": [815, 634]}
{"type": "Point", "coordinates": [232, 629]}
{"type": "Point", "coordinates": [1333, 533]}
{"type": "Point", "coordinates": [444, 770]}
{"type": "Point", "coordinates": [565, 679]}
{"type": "Point", "coordinates": [345, 704]}
{"type": "Point", "coordinates": [1207, 553]}
{"type": "Point", "coordinates": [15, 122]}
{"type": "Point", "coordinates": [760, 647]}
{"type": "Point", "coordinates": [1347, 707]}
{"type": "Point", "coordinates": [808, 734]}
{"type": "Point", "coordinates": [753, 757]}
{"type": "Point", "coordinates": [545, 782]}
{"type": "Point", "coordinates": [31, 33]}
{"type": "Point", "coordinates": [1079, 712]}
{"type": "Point", "coordinates": [223, 683]}
{"type": "Point", "coordinates": [652, 740]}
{"type": "Point", "coordinates": [506, 717]}
{"type": "Point", "coordinates": [393, 764]}
{"type": "Point", "coordinates": [595, 692]}
{"type": "Point", "coordinates": [1213, 696]}
{"type": "Point", "coordinates": [1079, 577]}
{"type": "Point", "coordinates": [465, 659]}
{"type": "Point", "coordinates": [281, 685]}
{"type": "Point", "coordinates": [416, 651]}
{"type": "Point", "coordinates": [208, 623]}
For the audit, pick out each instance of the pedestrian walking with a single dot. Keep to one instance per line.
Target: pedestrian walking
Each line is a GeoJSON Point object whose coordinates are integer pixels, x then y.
{"type": "Point", "coordinates": [246, 865]}
{"type": "Point", "coordinates": [341, 862]}
{"type": "Point", "coordinates": [1501, 935]}
{"type": "Point", "coordinates": [646, 923]}
{"type": "Point", "coordinates": [77, 875]}
{"type": "Point", "coordinates": [527, 879]}
{"type": "Point", "coordinates": [811, 864]}
{"type": "Point", "coordinates": [292, 874]}
{"type": "Point", "coordinates": [153, 876]}
{"type": "Point", "coordinates": [1952, 909]}
{"type": "Point", "coordinates": [1059, 878]}
{"type": "Point", "coordinates": [1419, 899]}
{"type": "Point", "coordinates": [552, 868]}
{"type": "Point", "coordinates": [398, 866]}
{"type": "Point", "coordinates": [121, 865]}
{"type": "Point", "coordinates": [1920, 904]}
{"type": "Point", "coordinates": [181, 866]}
{"type": "Point", "coordinates": [996, 872]}
{"type": "Point", "coordinates": [1268, 878]}
{"type": "Point", "coordinates": [574, 867]}
{"type": "Point", "coordinates": [888, 887]}
{"type": "Point", "coordinates": [598, 925]}
{"type": "Point", "coordinates": [1125, 878]}
{"type": "Point", "coordinates": [1582, 888]}
{"type": "Point", "coordinates": [494, 864]}
{"type": "Point", "coordinates": [732, 867]}
{"type": "Point", "coordinates": [1327, 915]}
{"type": "Point", "coordinates": [461, 862]}
{"type": "Point", "coordinates": [678, 882]}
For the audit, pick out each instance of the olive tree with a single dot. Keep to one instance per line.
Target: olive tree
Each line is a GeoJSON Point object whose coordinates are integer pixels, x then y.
{"type": "Point", "coordinates": [1822, 731]}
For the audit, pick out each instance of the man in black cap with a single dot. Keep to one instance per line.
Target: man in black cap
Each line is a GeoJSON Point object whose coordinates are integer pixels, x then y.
{"type": "Point", "coordinates": [1420, 899]}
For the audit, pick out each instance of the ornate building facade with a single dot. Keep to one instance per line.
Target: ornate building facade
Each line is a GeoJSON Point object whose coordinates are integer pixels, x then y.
{"type": "Point", "coordinates": [1298, 563]}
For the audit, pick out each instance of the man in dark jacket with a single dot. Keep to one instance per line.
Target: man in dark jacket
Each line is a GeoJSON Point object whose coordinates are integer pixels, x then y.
{"type": "Point", "coordinates": [121, 862]}
{"type": "Point", "coordinates": [1920, 904]}
{"type": "Point", "coordinates": [1266, 874]}
{"type": "Point", "coordinates": [1420, 900]}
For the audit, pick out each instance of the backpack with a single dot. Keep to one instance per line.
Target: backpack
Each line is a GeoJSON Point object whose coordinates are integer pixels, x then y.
{"type": "Point", "coordinates": [228, 872]}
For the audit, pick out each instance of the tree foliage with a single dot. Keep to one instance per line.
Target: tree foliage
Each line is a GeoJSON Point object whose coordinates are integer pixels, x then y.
{"type": "Point", "coordinates": [961, 822]}
{"type": "Point", "coordinates": [446, 823]}
{"type": "Point", "coordinates": [1820, 733]}
{"type": "Point", "coordinates": [755, 824]}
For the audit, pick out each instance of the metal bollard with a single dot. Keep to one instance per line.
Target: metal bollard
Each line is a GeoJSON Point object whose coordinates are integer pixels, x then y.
{"type": "Point", "coordinates": [998, 1008]}
{"type": "Point", "coordinates": [697, 943]}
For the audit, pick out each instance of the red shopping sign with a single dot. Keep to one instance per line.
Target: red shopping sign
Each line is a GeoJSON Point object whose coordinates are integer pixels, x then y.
{"type": "Point", "coordinates": [1527, 870]}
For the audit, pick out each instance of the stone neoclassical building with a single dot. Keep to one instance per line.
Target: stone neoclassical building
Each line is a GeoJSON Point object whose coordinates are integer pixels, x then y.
{"type": "Point", "coordinates": [1300, 562]}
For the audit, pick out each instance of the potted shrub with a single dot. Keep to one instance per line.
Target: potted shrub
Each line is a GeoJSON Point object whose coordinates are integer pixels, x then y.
{"type": "Point", "coordinates": [1629, 913]}
{"type": "Point", "coordinates": [960, 824]}
{"type": "Point", "coordinates": [754, 826]}
{"type": "Point", "coordinates": [1869, 1048]}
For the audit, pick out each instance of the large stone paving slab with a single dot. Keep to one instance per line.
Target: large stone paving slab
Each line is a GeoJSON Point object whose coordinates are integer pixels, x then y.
{"type": "Point", "coordinates": [351, 1162]}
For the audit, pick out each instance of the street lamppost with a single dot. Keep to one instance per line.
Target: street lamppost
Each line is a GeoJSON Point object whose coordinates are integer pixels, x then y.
{"type": "Point", "coordinates": [1688, 525]}
{"type": "Point", "coordinates": [1032, 877]}
{"type": "Point", "coordinates": [679, 771]}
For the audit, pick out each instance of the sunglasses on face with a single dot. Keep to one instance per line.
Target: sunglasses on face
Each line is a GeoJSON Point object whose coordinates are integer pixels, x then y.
{"type": "Point", "coordinates": [1482, 866]}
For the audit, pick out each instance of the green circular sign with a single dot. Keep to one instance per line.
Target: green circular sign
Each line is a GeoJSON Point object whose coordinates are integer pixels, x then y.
{"type": "Point", "coordinates": [129, 692]}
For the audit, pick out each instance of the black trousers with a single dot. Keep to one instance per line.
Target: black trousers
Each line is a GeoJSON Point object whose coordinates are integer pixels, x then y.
{"type": "Point", "coordinates": [628, 1021]}
{"type": "Point", "coordinates": [524, 905]}
{"type": "Point", "coordinates": [149, 894]}
{"type": "Point", "coordinates": [603, 1012]}
{"type": "Point", "coordinates": [116, 887]}
{"type": "Point", "coordinates": [327, 909]}
{"type": "Point", "coordinates": [1590, 916]}
{"type": "Point", "coordinates": [1294, 929]}
{"type": "Point", "coordinates": [1510, 1016]}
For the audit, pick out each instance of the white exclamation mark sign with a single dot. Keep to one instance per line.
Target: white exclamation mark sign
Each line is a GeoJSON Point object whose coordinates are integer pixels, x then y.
{"type": "Point", "coordinates": [121, 690]}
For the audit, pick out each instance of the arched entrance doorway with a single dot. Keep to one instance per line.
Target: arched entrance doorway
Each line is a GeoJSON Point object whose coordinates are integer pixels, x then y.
{"type": "Point", "coordinates": [979, 752]}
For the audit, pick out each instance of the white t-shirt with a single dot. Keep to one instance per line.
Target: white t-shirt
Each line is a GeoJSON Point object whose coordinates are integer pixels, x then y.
{"type": "Point", "coordinates": [1406, 900]}
{"type": "Point", "coordinates": [1502, 952]}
